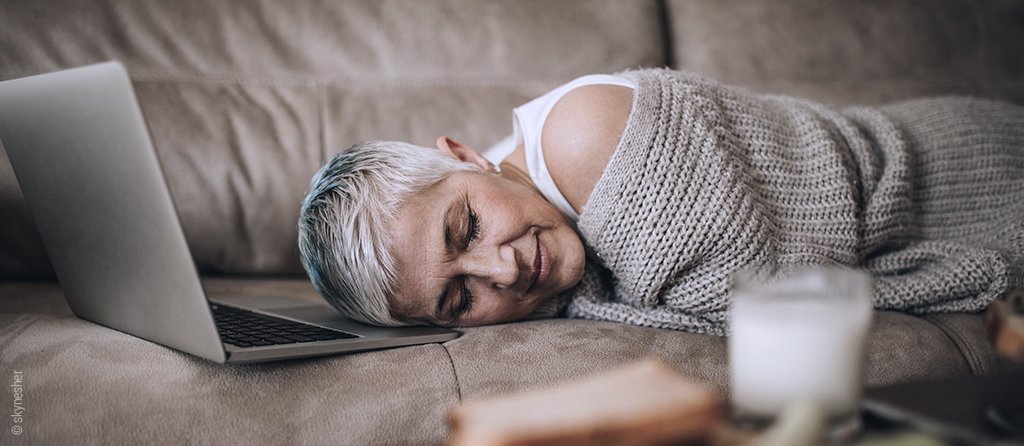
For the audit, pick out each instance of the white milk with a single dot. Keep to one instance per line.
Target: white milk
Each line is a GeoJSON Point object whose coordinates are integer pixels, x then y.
{"type": "Point", "coordinates": [799, 338]}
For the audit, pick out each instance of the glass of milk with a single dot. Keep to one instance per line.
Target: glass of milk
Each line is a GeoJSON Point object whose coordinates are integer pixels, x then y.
{"type": "Point", "coordinates": [799, 335]}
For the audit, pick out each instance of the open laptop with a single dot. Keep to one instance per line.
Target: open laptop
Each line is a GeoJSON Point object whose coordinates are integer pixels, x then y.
{"type": "Point", "coordinates": [83, 157]}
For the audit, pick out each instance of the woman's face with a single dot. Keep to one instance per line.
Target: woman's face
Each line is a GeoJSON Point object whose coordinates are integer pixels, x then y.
{"type": "Point", "coordinates": [479, 249]}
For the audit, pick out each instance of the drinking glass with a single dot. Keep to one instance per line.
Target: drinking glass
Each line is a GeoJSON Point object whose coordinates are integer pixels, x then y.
{"type": "Point", "coordinates": [799, 335]}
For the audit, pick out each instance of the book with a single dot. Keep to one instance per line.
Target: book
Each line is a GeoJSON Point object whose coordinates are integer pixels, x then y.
{"type": "Point", "coordinates": [645, 403]}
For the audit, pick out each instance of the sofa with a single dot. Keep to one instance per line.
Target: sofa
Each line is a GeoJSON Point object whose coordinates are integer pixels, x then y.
{"type": "Point", "coordinates": [245, 99]}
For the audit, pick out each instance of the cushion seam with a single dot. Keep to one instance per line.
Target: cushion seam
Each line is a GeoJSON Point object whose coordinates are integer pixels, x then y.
{"type": "Point", "coordinates": [455, 373]}
{"type": "Point", "coordinates": [972, 360]}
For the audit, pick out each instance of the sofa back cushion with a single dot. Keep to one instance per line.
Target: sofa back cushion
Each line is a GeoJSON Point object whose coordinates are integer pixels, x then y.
{"type": "Point", "coordinates": [855, 52]}
{"type": "Point", "coordinates": [246, 99]}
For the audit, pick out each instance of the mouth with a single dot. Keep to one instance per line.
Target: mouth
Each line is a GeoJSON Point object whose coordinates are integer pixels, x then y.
{"type": "Point", "coordinates": [541, 266]}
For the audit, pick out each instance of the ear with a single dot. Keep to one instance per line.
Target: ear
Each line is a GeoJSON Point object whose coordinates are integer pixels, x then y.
{"type": "Point", "coordinates": [462, 152]}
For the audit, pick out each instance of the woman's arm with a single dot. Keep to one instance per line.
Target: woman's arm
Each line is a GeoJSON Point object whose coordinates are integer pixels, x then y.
{"type": "Point", "coordinates": [580, 135]}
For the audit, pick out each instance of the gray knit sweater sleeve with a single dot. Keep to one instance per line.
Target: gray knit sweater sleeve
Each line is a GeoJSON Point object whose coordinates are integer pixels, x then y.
{"type": "Point", "coordinates": [927, 196]}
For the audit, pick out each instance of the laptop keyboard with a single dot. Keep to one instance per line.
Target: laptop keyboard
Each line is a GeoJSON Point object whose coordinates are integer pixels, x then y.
{"type": "Point", "coordinates": [243, 328]}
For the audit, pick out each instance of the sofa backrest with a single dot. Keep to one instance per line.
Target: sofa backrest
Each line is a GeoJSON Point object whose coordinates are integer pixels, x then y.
{"type": "Point", "coordinates": [246, 99]}
{"type": "Point", "coordinates": [855, 52]}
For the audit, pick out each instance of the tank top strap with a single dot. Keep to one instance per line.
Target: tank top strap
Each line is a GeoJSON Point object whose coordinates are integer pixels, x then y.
{"type": "Point", "coordinates": [528, 123]}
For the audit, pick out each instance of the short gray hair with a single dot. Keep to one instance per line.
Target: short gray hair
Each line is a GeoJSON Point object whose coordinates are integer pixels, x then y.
{"type": "Point", "coordinates": [342, 239]}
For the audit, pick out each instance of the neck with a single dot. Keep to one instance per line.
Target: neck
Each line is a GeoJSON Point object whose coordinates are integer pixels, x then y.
{"type": "Point", "coordinates": [512, 172]}
{"type": "Point", "coordinates": [513, 168]}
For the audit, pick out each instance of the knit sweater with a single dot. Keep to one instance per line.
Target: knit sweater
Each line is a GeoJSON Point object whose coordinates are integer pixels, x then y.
{"type": "Point", "coordinates": [927, 196]}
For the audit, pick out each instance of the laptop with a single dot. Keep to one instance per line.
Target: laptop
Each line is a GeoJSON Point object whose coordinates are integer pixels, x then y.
{"type": "Point", "coordinates": [83, 157]}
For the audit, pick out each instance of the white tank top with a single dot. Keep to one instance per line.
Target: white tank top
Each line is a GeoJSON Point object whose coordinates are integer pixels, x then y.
{"type": "Point", "coordinates": [527, 124]}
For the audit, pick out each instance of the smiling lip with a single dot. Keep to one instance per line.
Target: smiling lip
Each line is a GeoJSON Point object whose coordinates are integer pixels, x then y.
{"type": "Point", "coordinates": [541, 266]}
{"type": "Point", "coordinates": [535, 268]}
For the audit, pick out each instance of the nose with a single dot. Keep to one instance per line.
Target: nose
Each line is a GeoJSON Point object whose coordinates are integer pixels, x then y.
{"type": "Point", "coordinates": [496, 267]}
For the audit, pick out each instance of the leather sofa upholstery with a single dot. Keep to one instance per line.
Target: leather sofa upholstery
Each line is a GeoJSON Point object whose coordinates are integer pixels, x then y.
{"type": "Point", "coordinates": [245, 99]}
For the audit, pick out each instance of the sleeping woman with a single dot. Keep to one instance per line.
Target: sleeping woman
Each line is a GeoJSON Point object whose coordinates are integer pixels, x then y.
{"type": "Point", "coordinates": [634, 197]}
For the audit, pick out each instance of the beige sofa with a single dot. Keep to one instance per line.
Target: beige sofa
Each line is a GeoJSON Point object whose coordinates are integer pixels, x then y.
{"type": "Point", "coordinates": [245, 99]}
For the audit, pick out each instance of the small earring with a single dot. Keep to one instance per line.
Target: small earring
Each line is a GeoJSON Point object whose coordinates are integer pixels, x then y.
{"type": "Point", "coordinates": [494, 168]}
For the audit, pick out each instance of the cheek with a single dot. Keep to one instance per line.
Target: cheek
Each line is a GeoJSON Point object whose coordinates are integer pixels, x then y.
{"type": "Point", "coordinates": [523, 207]}
{"type": "Point", "coordinates": [495, 308]}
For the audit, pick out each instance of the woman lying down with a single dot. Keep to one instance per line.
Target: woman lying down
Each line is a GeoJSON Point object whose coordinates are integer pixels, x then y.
{"type": "Point", "coordinates": [634, 197]}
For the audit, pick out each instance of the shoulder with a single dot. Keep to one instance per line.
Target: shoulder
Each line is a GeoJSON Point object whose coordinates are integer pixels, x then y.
{"type": "Point", "coordinates": [580, 135]}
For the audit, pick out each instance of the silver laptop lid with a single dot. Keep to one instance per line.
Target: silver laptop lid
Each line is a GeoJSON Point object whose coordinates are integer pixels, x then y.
{"type": "Point", "coordinates": [83, 157]}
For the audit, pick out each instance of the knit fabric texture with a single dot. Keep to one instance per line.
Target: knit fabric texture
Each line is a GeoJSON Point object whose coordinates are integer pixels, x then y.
{"type": "Point", "coordinates": [927, 196]}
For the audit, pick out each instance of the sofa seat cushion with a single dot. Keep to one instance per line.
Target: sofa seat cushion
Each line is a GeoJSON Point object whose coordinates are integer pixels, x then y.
{"type": "Point", "coordinates": [87, 384]}
{"type": "Point", "coordinates": [126, 390]}
{"type": "Point", "coordinates": [519, 356]}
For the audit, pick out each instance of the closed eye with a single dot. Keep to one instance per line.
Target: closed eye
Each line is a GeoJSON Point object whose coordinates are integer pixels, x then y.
{"type": "Point", "coordinates": [467, 299]}
{"type": "Point", "coordinates": [474, 227]}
